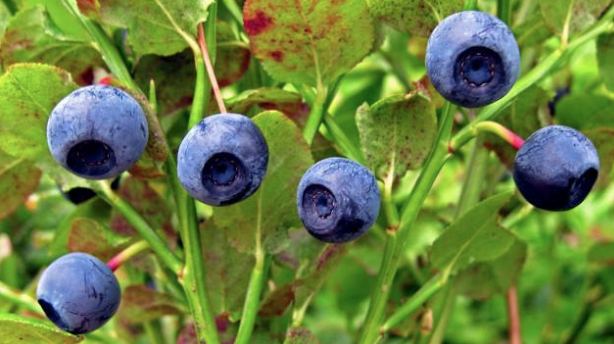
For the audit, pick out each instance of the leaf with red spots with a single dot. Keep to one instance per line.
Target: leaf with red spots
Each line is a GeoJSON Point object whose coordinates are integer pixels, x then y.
{"type": "Point", "coordinates": [18, 179]}
{"type": "Point", "coordinates": [154, 26]}
{"type": "Point", "coordinates": [141, 304]}
{"type": "Point", "coordinates": [308, 41]}
{"type": "Point", "coordinates": [415, 17]}
{"type": "Point", "coordinates": [30, 37]}
{"type": "Point", "coordinates": [397, 133]}
{"type": "Point", "coordinates": [276, 303]}
{"type": "Point", "coordinates": [270, 98]}
{"type": "Point", "coordinates": [301, 335]}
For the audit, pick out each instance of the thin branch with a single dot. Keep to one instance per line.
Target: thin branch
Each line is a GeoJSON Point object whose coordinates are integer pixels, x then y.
{"type": "Point", "coordinates": [214, 85]}
{"type": "Point", "coordinates": [514, 316]}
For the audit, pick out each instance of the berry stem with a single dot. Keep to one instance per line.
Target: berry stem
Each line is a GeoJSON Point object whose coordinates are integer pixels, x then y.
{"type": "Point", "coordinates": [315, 116]}
{"type": "Point", "coordinates": [514, 316]}
{"type": "Point", "coordinates": [125, 255]}
{"type": "Point", "coordinates": [210, 71]}
{"type": "Point", "coordinates": [504, 13]}
{"type": "Point", "coordinates": [495, 128]}
{"type": "Point", "coordinates": [545, 67]}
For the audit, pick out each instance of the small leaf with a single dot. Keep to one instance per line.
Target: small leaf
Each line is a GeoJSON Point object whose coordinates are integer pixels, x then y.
{"type": "Point", "coordinates": [307, 41]}
{"type": "Point", "coordinates": [397, 133]}
{"type": "Point", "coordinates": [5, 15]}
{"type": "Point", "coordinates": [228, 270]}
{"type": "Point", "coordinates": [150, 30]}
{"type": "Point", "coordinates": [31, 37]}
{"type": "Point", "coordinates": [415, 17]}
{"type": "Point", "coordinates": [270, 98]}
{"type": "Point", "coordinates": [141, 304]}
{"type": "Point", "coordinates": [276, 303]}
{"type": "Point", "coordinates": [484, 280]}
{"type": "Point", "coordinates": [319, 269]}
{"type": "Point", "coordinates": [28, 92]}
{"type": "Point", "coordinates": [18, 329]}
{"type": "Point", "coordinates": [87, 235]}
{"type": "Point", "coordinates": [18, 179]}
{"type": "Point", "coordinates": [301, 335]}
{"type": "Point", "coordinates": [605, 58]}
{"type": "Point", "coordinates": [233, 56]}
{"type": "Point", "coordinates": [581, 13]}
{"type": "Point", "coordinates": [474, 237]}
{"type": "Point", "coordinates": [271, 211]}
{"type": "Point", "coordinates": [532, 31]}
{"type": "Point", "coordinates": [603, 139]}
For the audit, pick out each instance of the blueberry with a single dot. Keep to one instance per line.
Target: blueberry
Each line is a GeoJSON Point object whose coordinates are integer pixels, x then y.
{"type": "Point", "coordinates": [338, 200]}
{"type": "Point", "coordinates": [223, 159]}
{"type": "Point", "coordinates": [97, 132]}
{"type": "Point", "coordinates": [556, 168]}
{"type": "Point", "coordinates": [472, 58]}
{"type": "Point", "coordinates": [78, 293]}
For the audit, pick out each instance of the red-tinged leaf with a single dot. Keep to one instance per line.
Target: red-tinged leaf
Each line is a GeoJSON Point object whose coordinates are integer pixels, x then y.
{"type": "Point", "coordinates": [18, 179]}
{"type": "Point", "coordinates": [307, 41]}
{"type": "Point", "coordinates": [276, 303]}
{"type": "Point", "coordinates": [270, 98]}
{"type": "Point", "coordinates": [87, 235]}
{"type": "Point", "coordinates": [301, 335]}
{"type": "Point", "coordinates": [141, 304]}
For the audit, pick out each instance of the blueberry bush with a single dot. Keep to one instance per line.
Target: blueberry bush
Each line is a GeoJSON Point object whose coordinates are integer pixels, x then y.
{"type": "Point", "coordinates": [301, 172]}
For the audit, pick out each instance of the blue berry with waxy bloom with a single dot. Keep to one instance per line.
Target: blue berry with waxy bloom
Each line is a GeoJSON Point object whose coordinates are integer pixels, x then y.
{"type": "Point", "coordinates": [338, 200]}
{"type": "Point", "coordinates": [223, 159]}
{"type": "Point", "coordinates": [556, 168]}
{"type": "Point", "coordinates": [78, 293]}
{"type": "Point", "coordinates": [472, 58]}
{"type": "Point", "coordinates": [97, 132]}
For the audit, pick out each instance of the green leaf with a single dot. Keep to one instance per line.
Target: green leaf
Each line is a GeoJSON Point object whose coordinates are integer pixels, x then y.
{"type": "Point", "coordinates": [154, 26]}
{"type": "Point", "coordinates": [308, 41]}
{"type": "Point", "coordinates": [28, 92]}
{"type": "Point", "coordinates": [301, 335]}
{"type": "Point", "coordinates": [233, 56]}
{"type": "Point", "coordinates": [18, 329]}
{"type": "Point", "coordinates": [270, 98]}
{"type": "Point", "coordinates": [31, 37]}
{"type": "Point", "coordinates": [474, 237]}
{"type": "Point", "coordinates": [415, 17]}
{"type": "Point", "coordinates": [484, 280]}
{"type": "Point", "coordinates": [533, 31]}
{"type": "Point", "coordinates": [18, 179]}
{"type": "Point", "coordinates": [585, 111]}
{"type": "Point", "coordinates": [228, 270]}
{"type": "Point", "coordinates": [578, 14]}
{"type": "Point", "coordinates": [5, 15]}
{"type": "Point", "coordinates": [603, 139]}
{"type": "Point", "coordinates": [605, 58]}
{"type": "Point", "coordinates": [141, 304]}
{"type": "Point", "coordinates": [87, 235]}
{"type": "Point", "coordinates": [267, 215]}
{"type": "Point", "coordinates": [397, 133]}
{"type": "Point", "coordinates": [317, 273]}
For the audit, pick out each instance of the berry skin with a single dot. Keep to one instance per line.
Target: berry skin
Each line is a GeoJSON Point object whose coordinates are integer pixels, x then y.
{"type": "Point", "coordinates": [223, 159]}
{"type": "Point", "coordinates": [97, 132]}
{"type": "Point", "coordinates": [338, 200]}
{"type": "Point", "coordinates": [556, 168]}
{"type": "Point", "coordinates": [78, 293]}
{"type": "Point", "coordinates": [472, 58]}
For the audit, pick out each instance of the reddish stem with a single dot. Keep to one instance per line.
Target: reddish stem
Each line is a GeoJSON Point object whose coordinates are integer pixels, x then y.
{"type": "Point", "coordinates": [214, 85]}
{"type": "Point", "coordinates": [514, 316]}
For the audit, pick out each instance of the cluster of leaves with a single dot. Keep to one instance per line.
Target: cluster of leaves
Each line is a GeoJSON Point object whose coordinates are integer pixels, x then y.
{"type": "Point", "coordinates": [362, 62]}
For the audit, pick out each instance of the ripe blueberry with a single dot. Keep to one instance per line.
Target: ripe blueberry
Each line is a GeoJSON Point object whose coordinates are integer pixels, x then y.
{"type": "Point", "coordinates": [556, 168]}
{"type": "Point", "coordinates": [223, 159]}
{"type": "Point", "coordinates": [472, 58]}
{"type": "Point", "coordinates": [97, 132]}
{"type": "Point", "coordinates": [338, 200]}
{"type": "Point", "coordinates": [78, 293]}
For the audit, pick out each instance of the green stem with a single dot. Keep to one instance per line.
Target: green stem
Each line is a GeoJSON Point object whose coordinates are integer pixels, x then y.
{"type": "Point", "coordinates": [141, 226]}
{"type": "Point", "coordinates": [421, 296]}
{"type": "Point", "coordinates": [315, 116]}
{"type": "Point", "coordinates": [536, 74]}
{"type": "Point", "coordinates": [397, 242]}
{"type": "Point", "coordinates": [475, 176]}
{"type": "Point", "coordinates": [154, 332]}
{"type": "Point", "coordinates": [340, 138]}
{"type": "Point", "coordinates": [504, 11]}
{"type": "Point", "coordinates": [471, 5]}
{"type": "Point", "coordinates": [252, 298]}
{"type": "Point", "coordinates": [19, 299]}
